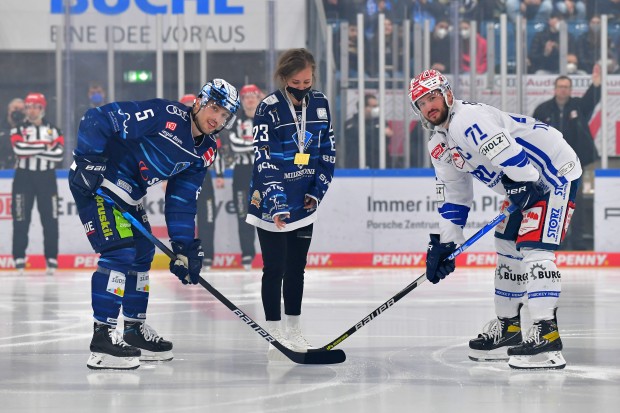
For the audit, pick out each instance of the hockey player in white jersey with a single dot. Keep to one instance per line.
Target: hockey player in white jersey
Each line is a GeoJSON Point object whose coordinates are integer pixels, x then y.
{"type": "Point", "coordinates": [530, 163]}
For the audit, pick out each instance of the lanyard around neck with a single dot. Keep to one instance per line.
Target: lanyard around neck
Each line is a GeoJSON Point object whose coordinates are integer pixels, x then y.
{"type": "Point", "coordinates": [300, 126]}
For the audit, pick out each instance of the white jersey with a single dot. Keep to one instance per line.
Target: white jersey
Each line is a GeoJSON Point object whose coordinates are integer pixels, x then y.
{"type": "Point", "coordinates": [483, 142]}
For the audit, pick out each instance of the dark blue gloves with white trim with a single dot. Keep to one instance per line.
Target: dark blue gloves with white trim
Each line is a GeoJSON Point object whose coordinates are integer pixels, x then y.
{"type": "Point", "coordinates": [522, 194]}
{"type": "Point", "coordinates": [437, 267]}
{"type": "Point", "coordinates": [188, 262]}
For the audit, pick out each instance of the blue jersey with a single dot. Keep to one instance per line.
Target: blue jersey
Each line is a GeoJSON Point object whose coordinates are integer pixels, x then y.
{"type": "Point", "coordinates": [146, 143]}
{"type": "Point", "coordinates": [279, 184]}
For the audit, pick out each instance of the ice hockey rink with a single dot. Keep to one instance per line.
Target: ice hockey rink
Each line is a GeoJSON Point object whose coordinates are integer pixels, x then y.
{"type": "Point", "coordinates": [412, 357]}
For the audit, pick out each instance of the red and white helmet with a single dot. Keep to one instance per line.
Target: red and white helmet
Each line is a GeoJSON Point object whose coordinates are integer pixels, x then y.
{"type": "Point", "coordinates": [249, 89]}
{"type": "Point", "coordinates": [36, 99]}
{"type": "Point", "coordinates": [424, 83]}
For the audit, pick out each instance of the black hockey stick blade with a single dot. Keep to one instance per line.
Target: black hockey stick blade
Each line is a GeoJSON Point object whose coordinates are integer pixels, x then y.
{"type": "Point", "coordinates": [313, 356]}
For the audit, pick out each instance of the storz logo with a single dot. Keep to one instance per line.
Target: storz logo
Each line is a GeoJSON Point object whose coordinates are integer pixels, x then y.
{"type": "Point", "coordinates": [146, 6]}
{"type": "Point", "coordinates": [554, 222]}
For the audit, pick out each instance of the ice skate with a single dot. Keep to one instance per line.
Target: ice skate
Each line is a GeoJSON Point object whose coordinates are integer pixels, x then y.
{"type": "Point", "coordinates": [273, 354]}
{"type": "Point", "coordinates": [541, 349]}
{"type": "Point", "coordinates": [109, 351]}
{"type": "Point", "coordinates": [246, 262]}
{"type": "Point", "coordinates": [20, 265]}
{"type": "Point", "coordinates": [496, 337]}
{"type": "Point", "coordinates": [143, 336]}
{"type": "Point", "coordinates": [51, 266]}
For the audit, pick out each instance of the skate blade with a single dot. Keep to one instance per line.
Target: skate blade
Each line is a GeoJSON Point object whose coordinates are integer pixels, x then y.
{"type": "Point", "coordinates": [496, 355]}
{"type": "Point", "coordinates": [151, 356]}
{"type": "Point", "coordinates": [101, 361]}
{"type": "Point", "coordinates": [552, 360]}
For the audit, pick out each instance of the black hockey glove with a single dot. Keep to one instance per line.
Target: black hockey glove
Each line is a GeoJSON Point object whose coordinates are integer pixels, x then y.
{"type": "Point", "coordinates": [88, 174]}
{"type": "Point", "coordinates": [188, 262]}
{"type": "Point", "coordinates": [522, 194]}
{"type": "Point", "coordinates": [437, 267]}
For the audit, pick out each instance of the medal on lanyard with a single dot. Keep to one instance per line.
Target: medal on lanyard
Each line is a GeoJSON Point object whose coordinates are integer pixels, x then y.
{"type": "Point", "coordinates": [301, 158]}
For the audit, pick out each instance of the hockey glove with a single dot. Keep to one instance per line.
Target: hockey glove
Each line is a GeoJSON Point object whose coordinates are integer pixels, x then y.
{"type": "Point", "coordinates": [437, 266]}
{"type": "Point", "coordinates": [188, 262]}
{"type": "Point", "coordinates": [88, 174]}
{"type": "Point", "coordinates": [522, 194]}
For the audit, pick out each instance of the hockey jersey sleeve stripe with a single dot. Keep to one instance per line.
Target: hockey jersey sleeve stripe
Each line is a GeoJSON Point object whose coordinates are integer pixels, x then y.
{"type": "Point", "coordinates": [455, 213]}
{"type": "Point", "coordinates": [519, 160]}
{"type": "Point", "coordinates": [544, 162]}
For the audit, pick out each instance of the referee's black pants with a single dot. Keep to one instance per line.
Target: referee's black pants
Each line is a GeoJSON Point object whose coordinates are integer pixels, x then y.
{"type": "Point", "coordinates": [205, 217]}
{"type": "Point", "coordinates": [28, 186]}
{"type": "Point", "coordinates": [242, 175]}
{"type": "Point", "coordinates": [284, 262]}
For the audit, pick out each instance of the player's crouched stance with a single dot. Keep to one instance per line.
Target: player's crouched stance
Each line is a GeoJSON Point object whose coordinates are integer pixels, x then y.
{"type": "Point", "coordinates": [532, 165]}
{"type": "Point", "coordinates": [124, 148]}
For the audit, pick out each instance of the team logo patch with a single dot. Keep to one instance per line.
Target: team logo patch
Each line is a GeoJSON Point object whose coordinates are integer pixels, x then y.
{"type": "Point", "coordinates": [181, 166]}
{"type": "Point", "coordinates": [494, 146]}
{"type": "Point", "coordinates": [171, 125]}
{"type": "Point", "coordinates": [209, 157]}
{"type": "Point", "coordinates": [438, 150]}
{"type": "Point", "coordinates": [271, 99]}
{"type": "Point", "coordinates": [321, 113]}
{"type": "Point", "coordinates": [531, 220]}
{"type": "Point", "coordinates": [116, 283]}
{"type": "Point", "coordinates": [458, 160]}
{"type": "Point", "coordinates": [256, 199]}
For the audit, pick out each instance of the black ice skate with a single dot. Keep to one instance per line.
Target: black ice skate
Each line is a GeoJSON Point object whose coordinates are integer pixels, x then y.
{"type": "Point", "coordinates": [246, 262]}
{"type": "Point", "coordinates": [143, 336]}
{"type": "Point", "coordinates": [497, 335]}
{"type": "Point", "coordinates": [541, 349]}
{"type": "Point", "coordinates": [109, 351]}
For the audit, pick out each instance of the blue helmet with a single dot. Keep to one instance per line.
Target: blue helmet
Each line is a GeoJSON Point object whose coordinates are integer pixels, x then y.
{"type": "Point", "coordinates": [223, 94]}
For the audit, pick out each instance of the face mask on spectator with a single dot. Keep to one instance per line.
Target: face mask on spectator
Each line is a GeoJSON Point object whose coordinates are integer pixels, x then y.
{"type": "Point", "coordinates": [465, 33]}
{"type": "Point", "coordinates": [595, 27]}
{"type": "Point", "coordinates": [571, 68]}
{"type": "Point", "coordinates": [374, 112]}
{"type": "Point", "coordinates": [557, 26]}
{"type": "Point", "coordinates": [441, 33]}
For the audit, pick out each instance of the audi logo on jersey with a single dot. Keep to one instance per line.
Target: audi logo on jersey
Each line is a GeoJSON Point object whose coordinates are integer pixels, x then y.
{"type": "Point", "coordinates": [175, 110]}
{"type": "Point", "coordinates": [209, 157]}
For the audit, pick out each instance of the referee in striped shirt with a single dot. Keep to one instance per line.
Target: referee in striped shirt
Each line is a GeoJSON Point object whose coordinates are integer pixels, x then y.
{"type": "Point", "coordinates": [38, 147]}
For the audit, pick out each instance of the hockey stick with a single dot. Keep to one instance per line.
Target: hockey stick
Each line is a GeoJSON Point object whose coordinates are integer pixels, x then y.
{"type": "Point", "coordinates": [389, 303]}
{"type": "Point", "coordinates": [312, 356]}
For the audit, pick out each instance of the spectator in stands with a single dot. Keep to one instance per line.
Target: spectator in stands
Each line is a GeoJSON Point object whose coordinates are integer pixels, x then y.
{"type": "Point", "coordinates": [538, 10]}
{"type": "Point", "coordinates": [390, 54]}
{"type": "Point", "coordinates": [572, 65]}
{"type": "Point", "coordinates": [589, 45]}
{"type": "Point", "coordinates": [371, 118]}
{"type": "Point", "coordinates": [440, 47]}
{"type": "Point", "coordinates": [491, 10]}
{"type": "Point", "coordinates": [481, 49]}
{"type": "Point", "coordinates": [372, 10]}
{"type": "Point", "coordinates": [432, 10]}
{"type": "Point", "coordinates": [16, 113]}
{"type": "Point", "coordinates": [571, 9]}
{"type": "Point", "coordinates": [544, 54]}
{"type": "Point", "coordinates": [609, 7]}
{"type": "Point", "coordinates": [571, 116]}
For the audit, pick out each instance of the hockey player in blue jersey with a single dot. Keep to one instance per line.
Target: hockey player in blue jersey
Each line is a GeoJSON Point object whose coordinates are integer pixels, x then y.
{"type": "Point", "coordinates": [294, 162]}
{"type": "Point", "coordinates": [125, 148]}
{"type": "Point", "coordinates": [534, 167]}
